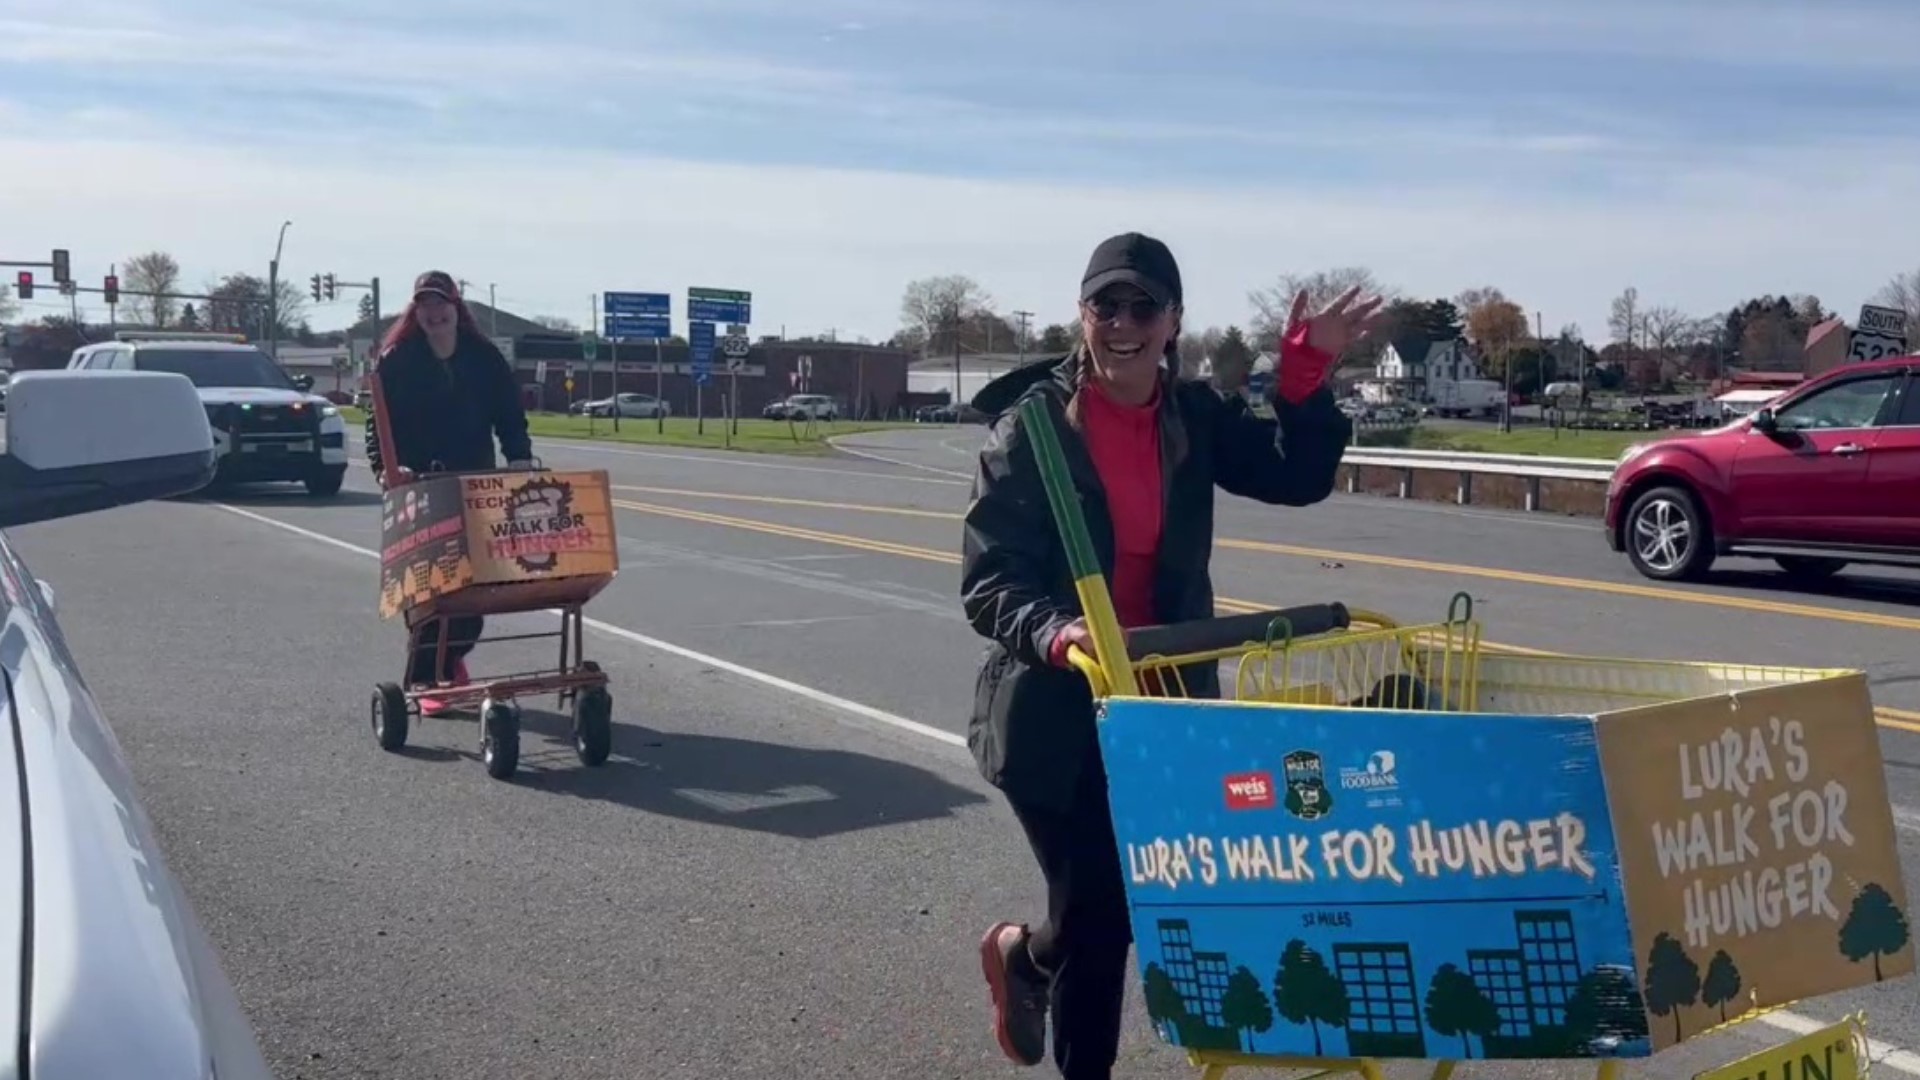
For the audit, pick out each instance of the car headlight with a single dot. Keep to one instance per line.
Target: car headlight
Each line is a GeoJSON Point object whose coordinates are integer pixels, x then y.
{"type": "Point", "coordinates": [1632, 452]}
{"type": "Point", "coordinates": [329, 410]}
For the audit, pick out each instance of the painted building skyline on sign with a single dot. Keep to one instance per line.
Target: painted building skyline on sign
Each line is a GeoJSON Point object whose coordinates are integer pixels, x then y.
{"type": "Point", "coordinates": [1370, 887]}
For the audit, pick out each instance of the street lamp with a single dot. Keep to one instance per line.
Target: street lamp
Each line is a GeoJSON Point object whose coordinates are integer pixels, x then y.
{"type": "Point", "coordinates": [273, 294]}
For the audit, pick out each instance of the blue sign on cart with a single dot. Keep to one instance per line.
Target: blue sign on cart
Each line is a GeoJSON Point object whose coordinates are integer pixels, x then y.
{"type": "Point", "coordinates": [1358, 883]}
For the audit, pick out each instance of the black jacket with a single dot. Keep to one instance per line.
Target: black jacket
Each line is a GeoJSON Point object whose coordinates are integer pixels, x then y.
{"type": "Point", "coordinates": [445, 414]}
{"type": "Point", "coordinates": [1032, 728]}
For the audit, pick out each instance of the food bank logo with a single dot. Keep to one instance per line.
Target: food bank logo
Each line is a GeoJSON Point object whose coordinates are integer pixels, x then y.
{"type": "Point", "coordinates": [1250, 791]}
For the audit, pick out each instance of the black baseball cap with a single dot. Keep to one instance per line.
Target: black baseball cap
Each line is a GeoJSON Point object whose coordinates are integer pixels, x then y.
{"type": "Point", "coordinates": [1133, 259]}
{"type": "Point", "coordinates": [438, 282]}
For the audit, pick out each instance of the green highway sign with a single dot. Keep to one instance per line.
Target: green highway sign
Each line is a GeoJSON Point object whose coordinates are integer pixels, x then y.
{"type": "Point", "coordinates": [719, 305]}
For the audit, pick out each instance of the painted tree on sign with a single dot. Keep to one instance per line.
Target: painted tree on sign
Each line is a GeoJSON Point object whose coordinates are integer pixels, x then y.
{"type": "Point", "coordinates": [1673, 979]}
{"type": "Point", "coordinates": [1307, 992]}
{"type": "Point", "coordinates": [1875, 927]}
{"type": "Point", "coordinates": [1165, 1007]}
{"type": "Point", "coordinates": [1605, 1007]}
{"type": "Point", "coordinates": [1244, 1007]}
{"type": "Point", "coordinates": [1722, 984]}
{"type": "Point", "coordinates": [1457, 1006]}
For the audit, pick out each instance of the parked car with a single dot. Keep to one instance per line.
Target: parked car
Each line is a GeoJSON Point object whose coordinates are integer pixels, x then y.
{"type": "Point", "coordinates": [1823, 476]}
{"type": "Point", "coordinates": [110, 973]}
{"type": "Point", "coordinates": [801, 407]}
{"type": "Point", "coordinates": [634, 406]}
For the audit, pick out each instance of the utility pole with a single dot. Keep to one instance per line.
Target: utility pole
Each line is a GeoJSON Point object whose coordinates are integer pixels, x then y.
{"type": "Point", "coordinates": [273, 294]}
{"type": "Point", "coordinates": [1023, 316]}
{"type": "Point", "coordinates": [493, 318]}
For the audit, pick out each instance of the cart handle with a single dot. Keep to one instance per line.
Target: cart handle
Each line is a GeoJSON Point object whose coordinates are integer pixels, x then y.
{"type": "Point", "coordinates": [1226, 632]}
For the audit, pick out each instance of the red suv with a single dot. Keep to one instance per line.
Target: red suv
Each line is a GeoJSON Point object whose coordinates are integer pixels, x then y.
{"type": "Point", "coordinates": [1827, 474]}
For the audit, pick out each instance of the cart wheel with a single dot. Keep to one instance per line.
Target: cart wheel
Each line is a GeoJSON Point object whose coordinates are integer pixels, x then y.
{"type": "Point", "coordinates": [593, 726]}
{"type": "Point", "coordinates": [390, 716]}
{"type": "Point", "coordinates": [500, 739]}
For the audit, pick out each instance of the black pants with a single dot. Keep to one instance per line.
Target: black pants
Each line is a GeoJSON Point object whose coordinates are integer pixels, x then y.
{"type": "Point", "coordinates": [1085, 939]}
{"type": "Point", "coordinates": [463, 634]}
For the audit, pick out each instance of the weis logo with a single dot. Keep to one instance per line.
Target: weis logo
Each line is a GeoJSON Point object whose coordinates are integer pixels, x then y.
{"type": "Point", "coordinates": [1250, 791]}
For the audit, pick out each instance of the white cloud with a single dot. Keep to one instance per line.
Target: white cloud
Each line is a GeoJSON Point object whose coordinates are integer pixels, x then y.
{"type": "Point", "coordinates": [824, 248]}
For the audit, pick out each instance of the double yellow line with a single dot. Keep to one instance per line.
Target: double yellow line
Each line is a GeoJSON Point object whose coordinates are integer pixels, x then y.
{"type": "Point", "coordinates": [1395, 562]}
{"type": "Point", "coordinates": [1898, 719]}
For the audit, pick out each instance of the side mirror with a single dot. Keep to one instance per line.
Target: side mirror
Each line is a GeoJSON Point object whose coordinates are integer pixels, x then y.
{"type": "Point", "coordinates": [304, 383]}
{"type": "Point", "coordinates": [1765, 422]}
{"type": "Point", "coordinates": [78, 442]}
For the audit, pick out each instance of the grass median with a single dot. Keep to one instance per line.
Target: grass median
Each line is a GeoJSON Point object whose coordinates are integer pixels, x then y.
{"type": "Point", "coordinates": [754, 436]}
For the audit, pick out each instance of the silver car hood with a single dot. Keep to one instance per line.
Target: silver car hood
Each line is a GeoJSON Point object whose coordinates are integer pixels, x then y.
{"type": "Point", "coordinates": [120, 978]}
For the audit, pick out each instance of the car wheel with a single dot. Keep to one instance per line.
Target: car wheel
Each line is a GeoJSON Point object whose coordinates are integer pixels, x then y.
{"type": "Point", "coordinates": [1667, 537]}
{"type": "Point", "coordinates": [326, 482]}
{"type": "Point", "coordinates": [1810, 567]}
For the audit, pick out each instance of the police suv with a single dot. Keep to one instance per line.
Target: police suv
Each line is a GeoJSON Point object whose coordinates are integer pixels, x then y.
{"type": "Point", "coordinates": [267, 426]}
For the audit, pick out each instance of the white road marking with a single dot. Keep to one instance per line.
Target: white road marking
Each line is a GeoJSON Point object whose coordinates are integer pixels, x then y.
{"type": "Point", "coordinates": [745, 802]}
{"type": "Point", "coordinates": [818, 697]}
{"type": "Point", "coordinates": [1906, 819]}
{"type": "Point", "coordinates": [1882, 1054]}
{"type": "Point", "coordinates": [885, 460]}
{"type": "Point", "coordinates": [1885, 1054]}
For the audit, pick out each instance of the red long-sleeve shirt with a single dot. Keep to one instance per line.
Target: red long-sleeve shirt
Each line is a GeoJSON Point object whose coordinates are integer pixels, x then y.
{"type": "Point", "coordinates": [1124, 441]}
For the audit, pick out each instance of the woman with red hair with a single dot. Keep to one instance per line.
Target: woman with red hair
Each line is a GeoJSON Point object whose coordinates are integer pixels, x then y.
{"type": "Point", "coordinates": [448, 393]}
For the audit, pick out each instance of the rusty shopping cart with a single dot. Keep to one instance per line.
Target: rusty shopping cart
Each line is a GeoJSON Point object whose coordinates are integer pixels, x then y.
{"type": "Point", "coordinates": [461, 546]}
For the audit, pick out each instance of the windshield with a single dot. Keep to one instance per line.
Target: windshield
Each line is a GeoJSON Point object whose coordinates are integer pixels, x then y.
{"type": "Point", "coordinates": [216, 367]}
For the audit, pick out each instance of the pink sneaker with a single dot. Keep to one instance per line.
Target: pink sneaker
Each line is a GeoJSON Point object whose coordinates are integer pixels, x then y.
{"type": "Point", "coordinates": [432, 706]}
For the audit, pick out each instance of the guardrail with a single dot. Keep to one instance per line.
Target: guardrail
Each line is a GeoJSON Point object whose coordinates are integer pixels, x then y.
{"type": "Point", "coordinates": [1582, 481]}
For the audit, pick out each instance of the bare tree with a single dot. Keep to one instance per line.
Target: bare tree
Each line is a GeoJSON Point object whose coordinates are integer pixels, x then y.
{"type": "Point", "coordinates": [1196, 348]}
{"type": "Point", "coordinates": [1903, 292]}
{"type": "Point", "coordinates": [1668, 327]}
{"type": "Point", "coordinates": [936, 313]}
{"type": "Point", "coordinates": [7, 306]}
{"type": "Point", "coordinates": [239, 306]}
{"type": "Point", "coordinates": [1273, 303]}
{"type": "Point", "coordinates": [1624, 319]}
{"type": "Point", "coordinates": [556, 324]}
{"type": "Point", "coordinates": [152, 272]}
{"type": "Point", "coordinates": [1471, 300]}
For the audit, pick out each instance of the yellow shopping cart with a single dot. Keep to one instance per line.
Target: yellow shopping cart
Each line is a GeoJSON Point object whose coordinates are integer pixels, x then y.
{"type": "Point", "coordinates": [1349, 841]}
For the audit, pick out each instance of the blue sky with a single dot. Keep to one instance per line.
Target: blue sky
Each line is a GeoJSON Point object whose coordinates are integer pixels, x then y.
{"type": "Point", "coordinates": [822, 154]}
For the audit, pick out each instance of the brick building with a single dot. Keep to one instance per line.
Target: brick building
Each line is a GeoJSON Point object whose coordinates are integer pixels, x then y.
{"type": "Point", "coordinates": [865, 380]}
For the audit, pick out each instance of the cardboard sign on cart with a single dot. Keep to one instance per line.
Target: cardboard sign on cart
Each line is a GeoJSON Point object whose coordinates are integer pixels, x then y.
{"type": "Point", "coordinates": [1596, 858]}
{"type": "Point", "coordinates": [509, 539]}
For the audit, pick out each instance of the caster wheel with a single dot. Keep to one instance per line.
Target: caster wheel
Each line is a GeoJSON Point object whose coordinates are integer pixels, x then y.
{"type": "Point", "coordinates": [500, 739]}
{"type": "Point", "coordinates": [593, 726]}
{"type": "Point", "coordinates": [390, 716]}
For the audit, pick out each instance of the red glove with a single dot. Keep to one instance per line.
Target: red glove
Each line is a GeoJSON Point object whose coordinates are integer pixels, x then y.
{"type": "Point", "coordinates": [1303, 368]}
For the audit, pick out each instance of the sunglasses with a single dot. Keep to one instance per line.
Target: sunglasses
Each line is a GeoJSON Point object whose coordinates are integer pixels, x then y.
{"type": "Point", "coordinates": [1140, 309]}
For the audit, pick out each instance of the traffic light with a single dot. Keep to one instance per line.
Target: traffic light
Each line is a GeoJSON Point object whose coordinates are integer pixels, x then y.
{"type": "Point", "coordinates": [112, 289]}
{"type": "Point", "coordinates": [315, 279]}
{"type": "Point", "coordinates": [330, 287]}
{"type": "Point", "coordinates": [23, 285]}
{"type": "Point", "coordinates": [62, 272]}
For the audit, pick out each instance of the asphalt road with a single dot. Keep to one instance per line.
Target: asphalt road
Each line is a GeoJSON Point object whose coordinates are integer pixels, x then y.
{"type": "Point", "coordinates": [786, 866]}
